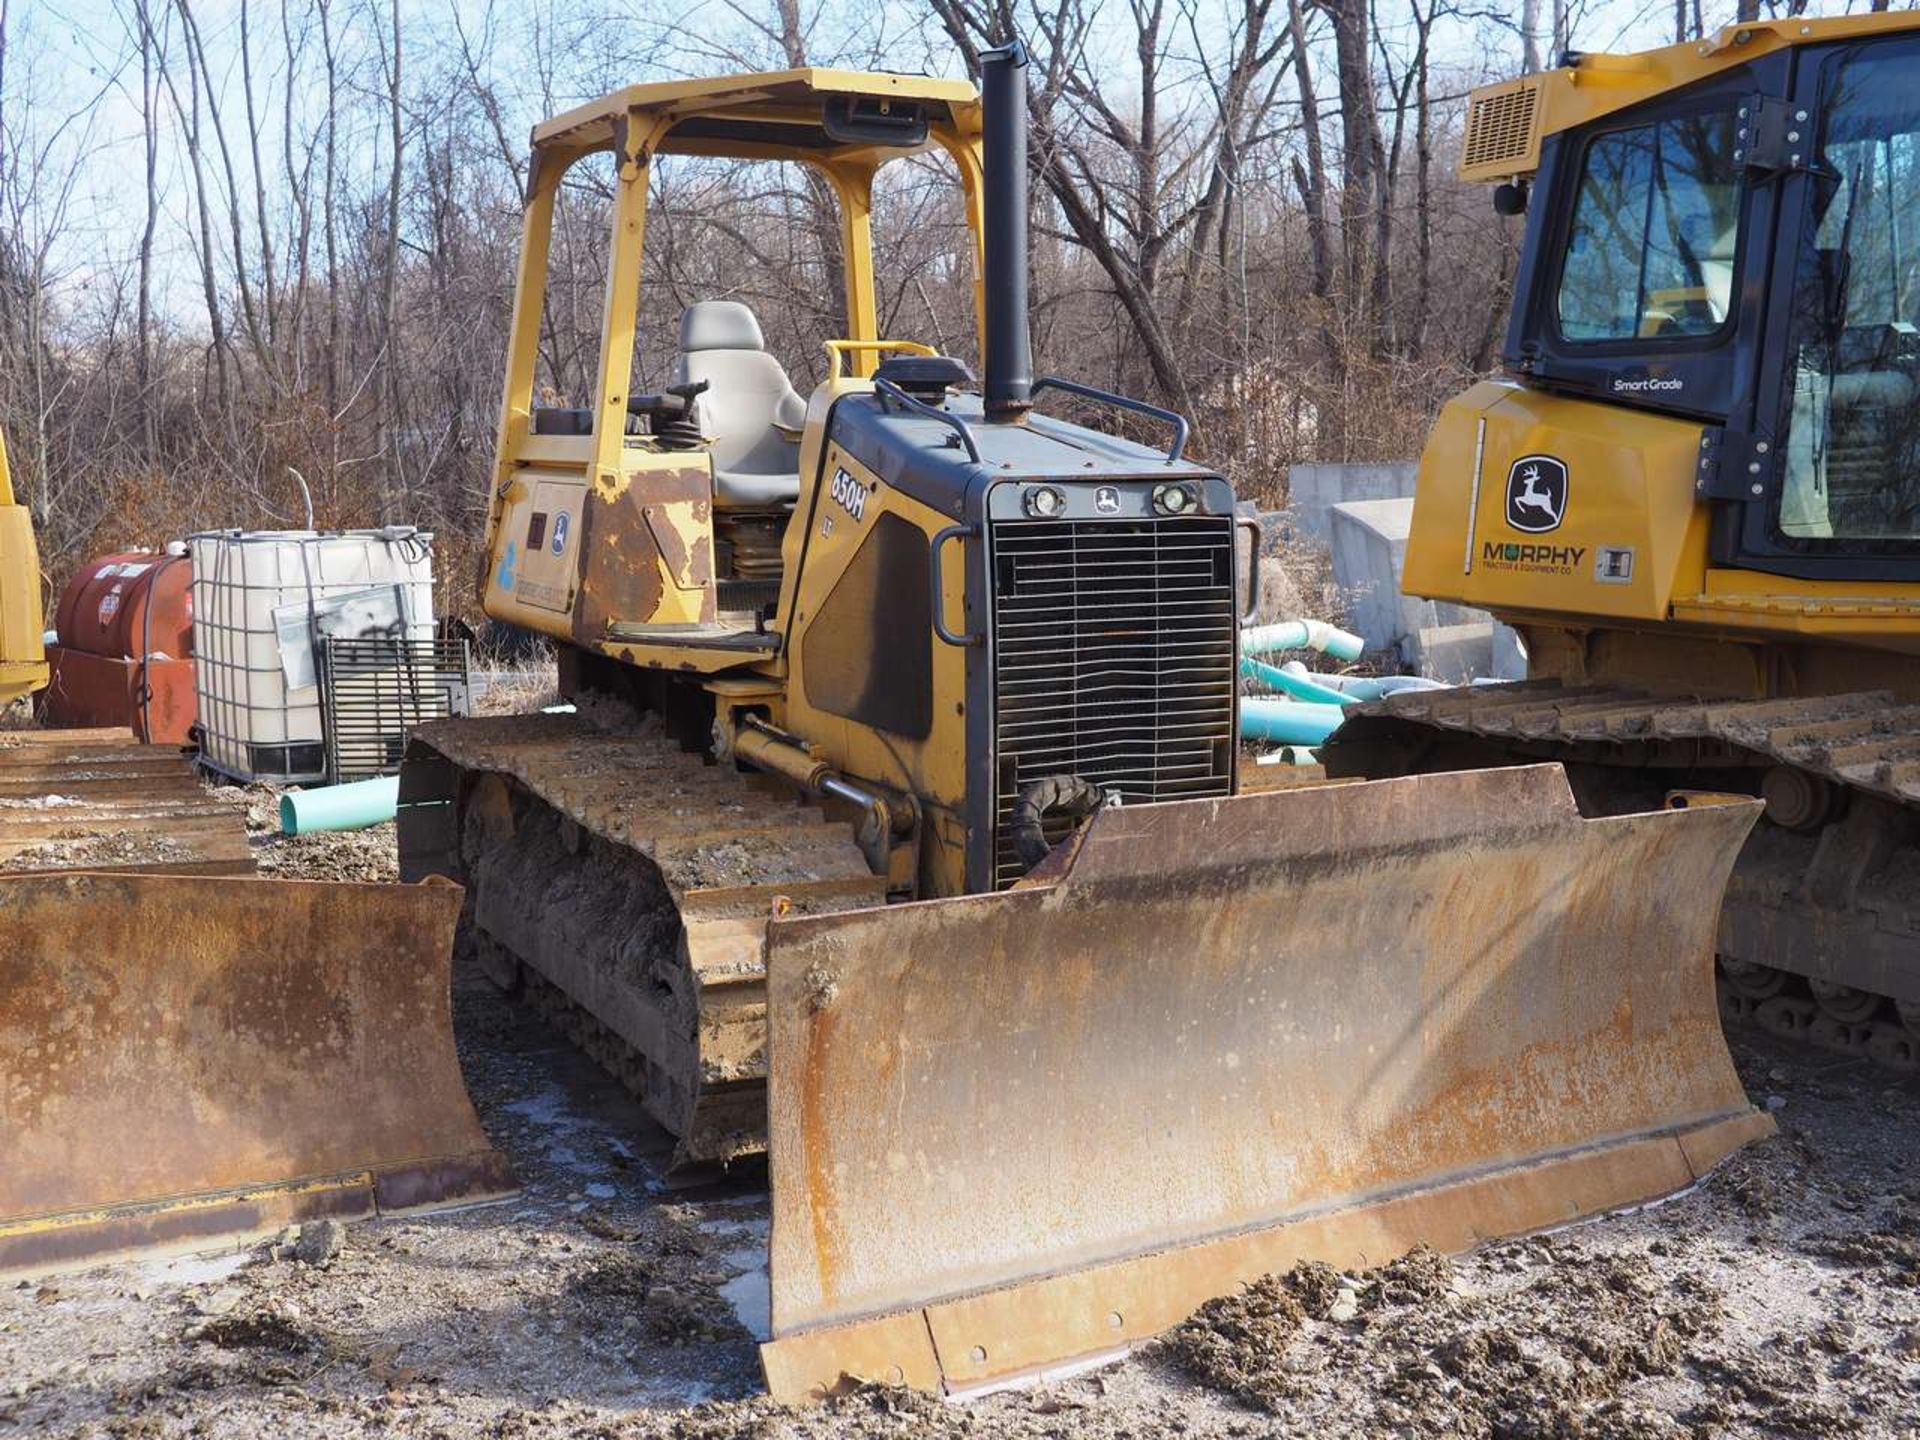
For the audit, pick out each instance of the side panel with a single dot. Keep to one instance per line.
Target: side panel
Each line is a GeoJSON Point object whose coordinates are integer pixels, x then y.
{"type": "Point", "coordinates": [1615, 535]}
{"type": "Point", "coordinates": [847, 644]}
{"type": "Point", "coordinates": [540, 559]}
{"type": "Point", "coordinates": [647, 549]}
{"type": "Point", "coordinates": [570, 559]}
{"type": "Point", "coordinates": [1541, 504]}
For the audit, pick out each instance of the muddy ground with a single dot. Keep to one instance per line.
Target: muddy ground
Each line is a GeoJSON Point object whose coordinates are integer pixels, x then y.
{"type": "Point", "coordinates": [1782, 1297]}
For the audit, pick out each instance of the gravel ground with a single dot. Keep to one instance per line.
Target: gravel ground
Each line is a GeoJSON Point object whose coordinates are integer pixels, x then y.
{"type": "Point", "coordinates": [1781, 1297]}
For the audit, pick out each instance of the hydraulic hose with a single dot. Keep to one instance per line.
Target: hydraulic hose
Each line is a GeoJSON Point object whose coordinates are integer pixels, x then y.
{"type": "Point", "coordinates": [1055, 795]}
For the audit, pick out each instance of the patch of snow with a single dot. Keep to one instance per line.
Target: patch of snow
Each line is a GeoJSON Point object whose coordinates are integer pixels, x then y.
{"type": "Point", "coordinates": [687, 1393]}
{"type": "Point", "coordinates": [1046, 1375]}
{"type": "Point", "coordinates": [547, 1107]}
{"type": "Point", "coordinates": [547, 1110]}
{"type": "Point", "coordinates": [195, 1269]}
{"type": "Point", "coordinates": [750, 1293]}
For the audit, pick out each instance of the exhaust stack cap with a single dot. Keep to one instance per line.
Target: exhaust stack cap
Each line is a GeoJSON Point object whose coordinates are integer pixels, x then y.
{"type": "Point", "coordinates": [1009, 357]}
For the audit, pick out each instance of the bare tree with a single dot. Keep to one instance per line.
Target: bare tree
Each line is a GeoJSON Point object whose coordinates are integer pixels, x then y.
{"type": "Point", "coordinates": [1242, 207]}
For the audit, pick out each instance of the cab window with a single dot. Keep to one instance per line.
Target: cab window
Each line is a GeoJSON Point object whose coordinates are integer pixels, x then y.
{"type": "Point", "coordinates": [1651, 250]}
{"type": "Point", "coordinates": [1852, 455]}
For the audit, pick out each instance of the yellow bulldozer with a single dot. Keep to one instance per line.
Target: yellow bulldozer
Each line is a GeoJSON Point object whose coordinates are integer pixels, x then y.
{"type": "Point", "coordinates": [897, 832]}
{"type": "Point", "coordinates": [189, 1054]}
{"type": "Point", "coordinates": [1695, 492]}
{"type": "Point", "coordinates": [23, 655]}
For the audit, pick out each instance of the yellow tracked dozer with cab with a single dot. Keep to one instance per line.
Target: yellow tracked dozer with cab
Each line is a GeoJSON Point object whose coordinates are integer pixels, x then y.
{"type": "Point", "coordinates": [190, 1055]}
{"type": "Point", "coordinates": [898, 830]}
{"type": "Point", "coordinates": [1696, 490]}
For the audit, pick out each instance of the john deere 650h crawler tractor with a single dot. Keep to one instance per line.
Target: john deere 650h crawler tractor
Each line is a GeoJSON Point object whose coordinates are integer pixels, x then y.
{"type": "Point", "coordinates": [898, 831]}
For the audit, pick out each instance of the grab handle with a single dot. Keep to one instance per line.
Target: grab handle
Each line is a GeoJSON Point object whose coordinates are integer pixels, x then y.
{"type": "Point", "coordinates": [893, 392]}
{"type": "Point", "coordinates": [1252, 526]}
{"type": "Point", "coordinates": [952, 532]}
{"type": "Point", "coordinates": [1123, 402]}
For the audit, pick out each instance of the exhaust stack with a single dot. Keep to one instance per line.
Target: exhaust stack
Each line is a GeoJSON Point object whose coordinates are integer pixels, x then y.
{"type": "Point", "coordinates": [1009, 357]}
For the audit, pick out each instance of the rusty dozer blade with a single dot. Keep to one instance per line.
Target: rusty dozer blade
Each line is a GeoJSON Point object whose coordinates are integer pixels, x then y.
{"type": "Point", "coordinates": [1011, 1130]}
{"type": "Point", "coordinates": [187, 1059]}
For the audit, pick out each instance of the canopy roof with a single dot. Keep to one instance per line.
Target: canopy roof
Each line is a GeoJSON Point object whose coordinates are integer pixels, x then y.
{"type": "Point", "coordinates": [781, 112]}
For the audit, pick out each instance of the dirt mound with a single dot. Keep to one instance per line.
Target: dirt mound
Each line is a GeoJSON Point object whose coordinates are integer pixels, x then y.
{"type": "Point", "coordinates": [1421, 1275]}
{"type": "Point", "coordinates": [1239, 1343]}
{"type": "Point", "coordinates": [1555, 1356]}
{"type": "Point", "coordinates": [626, 1291]}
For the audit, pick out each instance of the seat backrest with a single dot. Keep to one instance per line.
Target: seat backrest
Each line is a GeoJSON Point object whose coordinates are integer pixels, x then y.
{"type": "Point", "coordinates": [748, 392]}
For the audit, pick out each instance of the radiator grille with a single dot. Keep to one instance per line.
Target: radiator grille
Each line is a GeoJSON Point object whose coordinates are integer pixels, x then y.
{"type": "Point", "coordinates": [1500, 129]}
{"type": "Point", "coordinates": [374, 690]}
{"type": "Point", "coordinates": [1114, 654]}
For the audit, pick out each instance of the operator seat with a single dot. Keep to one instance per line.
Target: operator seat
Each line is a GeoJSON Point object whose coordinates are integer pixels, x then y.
{"type": "Point", "coordinates": [747, 409]}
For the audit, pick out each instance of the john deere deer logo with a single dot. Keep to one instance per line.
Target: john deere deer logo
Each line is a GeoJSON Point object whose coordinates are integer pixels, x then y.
{"type": "Point", "coordinates": [1536, 494]}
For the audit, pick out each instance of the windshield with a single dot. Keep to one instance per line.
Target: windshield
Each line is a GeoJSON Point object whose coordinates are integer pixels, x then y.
{"type": "Point", "coordinates": [1853, 445]}
{"type": "Point", "coordinates": [1651, 251]}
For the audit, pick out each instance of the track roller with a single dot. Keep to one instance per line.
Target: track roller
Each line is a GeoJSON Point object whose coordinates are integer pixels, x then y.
{"type": "Point", "coordinates": [1843, 1002]}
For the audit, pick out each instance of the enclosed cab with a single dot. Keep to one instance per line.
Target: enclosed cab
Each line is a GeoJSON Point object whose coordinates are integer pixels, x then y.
{"type": "Point", "coordinates": [1695, 487]}
{"type": "Point", "coordinates": [1707, 431]}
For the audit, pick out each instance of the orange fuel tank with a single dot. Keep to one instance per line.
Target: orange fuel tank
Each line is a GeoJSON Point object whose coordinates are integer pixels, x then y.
{"type": "Point", "coordinates": [124, 647]}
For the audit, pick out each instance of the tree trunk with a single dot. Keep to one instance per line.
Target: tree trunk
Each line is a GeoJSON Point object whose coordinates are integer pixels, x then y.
{"type": "Point", "coordinates": [143, 374]}
{"type": "Point", "coordinates": [1530, 36]}
{"type": "Point", "coordinates": [1361, 150]}
{"type": "Point", "coordinates": [395, 425]}
{"type": "Point", "coordinates": [1423, 182]}
{"type": "Point", "coordinates": [1311, 179]}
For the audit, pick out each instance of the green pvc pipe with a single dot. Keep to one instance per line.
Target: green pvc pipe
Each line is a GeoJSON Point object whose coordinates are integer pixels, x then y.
{"type": "Point", "coordinates": [340, 807]}
{"type": "Point", "coordinates": [1296, 686]}
{"type": "Point", "coordinates": [1288, 722]}
{"type": "Point", "coordinates": [1302, 635]}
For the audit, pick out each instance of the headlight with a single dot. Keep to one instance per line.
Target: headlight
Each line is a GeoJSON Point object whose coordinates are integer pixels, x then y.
{"type": "Point", "coordinates": [1043, 502]}
{"type": "Point", "coordinates": [1179, 498]}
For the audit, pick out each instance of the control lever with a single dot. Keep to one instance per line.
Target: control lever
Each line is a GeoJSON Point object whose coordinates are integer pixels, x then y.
{"type": "Point", "coordinates": [672, 416]}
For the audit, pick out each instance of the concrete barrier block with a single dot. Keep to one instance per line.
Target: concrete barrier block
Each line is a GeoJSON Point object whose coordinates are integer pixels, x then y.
{"type": "Point", "coordinates": [1314, 490]}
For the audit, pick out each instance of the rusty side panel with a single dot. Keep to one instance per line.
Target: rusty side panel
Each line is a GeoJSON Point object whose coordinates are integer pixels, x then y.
{"type": "Point", "coordinates": [1226, 1016]}
{"type": "Point", "coordinates": [182, 1056]}
{"type": "Point", "coordinates": [647, 553]}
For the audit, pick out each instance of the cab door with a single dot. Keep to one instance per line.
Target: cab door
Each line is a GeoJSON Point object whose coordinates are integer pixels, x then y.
{"type": "Point", "coordinates": [1822, 478]}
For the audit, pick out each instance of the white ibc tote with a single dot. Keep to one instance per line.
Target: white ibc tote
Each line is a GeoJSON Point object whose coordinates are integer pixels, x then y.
{"type": "Point", "coordinates": [261, 601]}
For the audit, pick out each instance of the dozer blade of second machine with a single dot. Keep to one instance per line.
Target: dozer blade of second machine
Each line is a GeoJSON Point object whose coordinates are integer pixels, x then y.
{"type": "Point", "coordinates": [188, 1060]}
